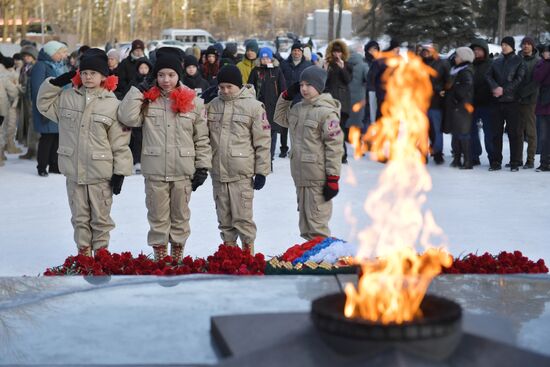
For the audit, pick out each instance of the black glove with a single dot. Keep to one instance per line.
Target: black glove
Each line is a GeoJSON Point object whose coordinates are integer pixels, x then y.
{"type": "Point", "coordinates": [292, 91]}
{"type": "Point", "coordinates": [146, 84]}
{"type": "Point", "coordinates": [199, 177]}
{"type": "Point", "coordinates": [331, 188]}
{"type": "Point", "coordinates": [63, 79]}
{"type": "Point", "coordinates": [116, 183]}
{"type": "Point", "coordinates": [259, 182]}
{"type": "Point", "coordinates": [1, 120]}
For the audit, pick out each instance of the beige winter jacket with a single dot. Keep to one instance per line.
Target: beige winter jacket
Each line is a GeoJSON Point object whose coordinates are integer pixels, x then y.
{"type": "Point", "coordinates": [9, 92]}
{"type": "Point", "coordinates": [93, 144]}
{"type": "Point", "coordinates": [316, 138]}
{"type": "Point", "coordinates": [174, 144]}
{"type": "Point", "coordinates": [240, 136]}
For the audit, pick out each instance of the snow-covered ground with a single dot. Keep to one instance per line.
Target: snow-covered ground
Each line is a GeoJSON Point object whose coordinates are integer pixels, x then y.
{"type": "Point", "coordinates": [478, 210]}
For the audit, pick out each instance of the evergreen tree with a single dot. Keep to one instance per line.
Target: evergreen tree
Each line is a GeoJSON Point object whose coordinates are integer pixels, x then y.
{"type": "Point", "coordinates": [487, 18]}
{"type": "Point", "coordinates": [443, 22]}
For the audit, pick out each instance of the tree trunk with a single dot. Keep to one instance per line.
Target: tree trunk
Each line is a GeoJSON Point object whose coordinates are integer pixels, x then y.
{"type": "Point", "coordinates": [24, 17]}
{"type": "Point", "coordinates": [339, 22]}
{"type": "Point", "coordinates": [14, 24]}
{"type": "Point", "coordinates": [79, 21]}
{"type": "Point", "coordinates": [330, 35]}
{"type": "Point", "coordinates": [5, 15]}
{"type": "Point", "coordinates": [90, 14]}
{"type": "Point", "coordinates": [501, 19]}
{"type": "Point", "coordinates": [374, 4]}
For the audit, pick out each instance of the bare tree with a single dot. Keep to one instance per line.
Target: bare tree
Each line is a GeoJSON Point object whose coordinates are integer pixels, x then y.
{"type": "Point", "coordinates": [24, 17]}
{"type": "Point", "coordinates": [501, 19]}
{"type": "Point", "coordinates": [339, 22]}
{"type": "Point", "coordinates": [330, 20]}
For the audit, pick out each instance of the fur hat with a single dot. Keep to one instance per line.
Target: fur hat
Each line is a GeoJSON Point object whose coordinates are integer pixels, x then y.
{"type": "Point", "coordinates": [114, 54]}
{"type": "Point", "coordinates": [297, 45]}
{"type": "Point", "coordinates": [94, 59]}
{"type": "Point", "coordinates": [137, 44]}
{"type": "Point", "coordinates": [315, 76]}
{"type": "Point", "coordinates": [230, 74]}
{"type": "Point", "coordinates": [465, 53]}
{"type": "Point", "coordinates": [169, 58]}
{"type": "Point", "coordinates": [29, 50]}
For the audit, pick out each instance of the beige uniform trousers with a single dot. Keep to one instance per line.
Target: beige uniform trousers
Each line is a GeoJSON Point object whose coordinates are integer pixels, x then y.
{"type": "Point", "coordinates": [91, 213]}
{"type": "Point", "coordinates": [168, 211]}
{"type": "Point", "coordinates": [234, 209]}
{"type": "Point", "coordinates": [11, 125]}
{"type": "Point", "coordinates": [315, 212]}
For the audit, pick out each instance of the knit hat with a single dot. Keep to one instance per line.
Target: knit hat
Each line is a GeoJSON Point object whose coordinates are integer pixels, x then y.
{"type": "Point", "coordinates": [252, 45]}
{"type": "Point", "coordinates": [190, 60]}
{"type": "Point", "coordinates": [230, 74]}
{"type": "Point", "coordinates": [315, 76]}
{"type": "Point", "coordinates": [219, 47]}
{"type": "Point", "coordinates": [137, 44]}
{"type": "Point", "coordinates": [393, 44]}
{"type": "Point", "coordinates": [265, 52]}
{"type": "Point", "coordinates": [314, 57]}
{"type": "Point", "coordinates": [509, 41]}
{"type": "Point", "coordinates": [168, 58]}
{"type": "Point", "coordinates": [83, 49]}
{"type": "Point", "coordinates": [52, 47]}
{"type": "Point", "coordinates": [29, 50]}
{"type": "Point", "coordinates": [465, 53]}
{"type": "Point", "coordinates": [371, 44]}
{"type": "Point", "coordinates": [94, 59]}
{"type": "Point", "coordinates": [211, 50]}
{"type": "Point", "coordinates": [114, 54]}
{"type": "Point", "coordinates": [297, 45]}
{"type": "Point", "coordinates": [528, 40]}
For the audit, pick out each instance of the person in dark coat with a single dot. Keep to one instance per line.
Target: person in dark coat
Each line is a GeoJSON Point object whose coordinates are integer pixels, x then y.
{"type": "Point", "coordinates": [541, 75]}
{"type": "Point", "coordinates": [144, 70]}
{"type": "Point", "coordinates": [292, 68]}
{"type": "Point", "coordinates": [51, 63]}
{"type": "Point", "coordinates": [372, 48]}
{"type": "Point", "coordinates": [482, 100]}
{"type": "Point", "coordinates": [504, 77]}
{"type": "Point", "coordinates": [229, 55]}
{"type": "Point", "coordinates": [440, 82]}
{"type": "Point", "coordinates": [269, 82]}
{"type": "Point", "coordinates": [338, 79]}
{"type": "Point", "coordinates": [192, 78]}
{"type": "Point", "coordinates": [113, 60]}
{"type": "Point", "coordinates": [127, 71]}
{"type": "Point", "coordinates": [358, 91]}
{"type": "Point", "coordinates": [211, 67]}
{"type": "Point", "coordinates": [459, 108]}
{"type": "Point", "coordinates": [527, 98]}
{"type": "Point", "coordinates": [376, 71]}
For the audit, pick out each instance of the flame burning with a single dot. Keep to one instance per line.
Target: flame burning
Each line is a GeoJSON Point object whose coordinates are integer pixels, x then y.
{"type": "Point", "coordinates": [391, 288]}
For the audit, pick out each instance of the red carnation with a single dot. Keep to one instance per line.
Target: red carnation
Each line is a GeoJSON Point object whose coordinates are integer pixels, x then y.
{"type": "Point", "coordinates": [152, 94]}
{"type": "Point", "coordinates": [110, 83]}
{"type": "Point", "coordinates": [77, 82]}
{"type": "Point", "coordinates": [182, 100]}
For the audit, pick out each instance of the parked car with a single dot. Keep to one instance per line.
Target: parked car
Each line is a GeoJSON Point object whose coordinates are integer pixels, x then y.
{"type": "Point", "coordinates": [189, 37]}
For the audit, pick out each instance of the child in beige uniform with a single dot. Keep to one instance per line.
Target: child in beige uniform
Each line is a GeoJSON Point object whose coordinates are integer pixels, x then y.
{"type": "Point", "coordinates": [93, 145]}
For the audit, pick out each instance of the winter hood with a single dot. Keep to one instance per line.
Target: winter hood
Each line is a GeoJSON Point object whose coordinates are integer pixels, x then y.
{"type": "Point", "coordinates": [325, 100]}
{"type": "Point", "coordinates": [274, 61]}
{"type": "Point", "coordinates": [355, 59]}
{"type": "Point", "coordinates": [337, 44]}
{"type": "Point", "coordinates": [43, 56]}
{"type": "Point", "coordinates": [480, 42]}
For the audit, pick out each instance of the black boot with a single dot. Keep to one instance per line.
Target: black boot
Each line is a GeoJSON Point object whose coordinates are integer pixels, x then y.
{"type": "Point", "coordinates": [284, 151]}
{"type": "Point", "coordinates": [466, 146]}
{"type": "Point", "coordinates": [457, 152]}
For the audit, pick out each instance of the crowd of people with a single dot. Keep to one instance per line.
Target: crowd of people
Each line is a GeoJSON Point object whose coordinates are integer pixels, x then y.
{"type": "Point", "coordinates": [175, 116]}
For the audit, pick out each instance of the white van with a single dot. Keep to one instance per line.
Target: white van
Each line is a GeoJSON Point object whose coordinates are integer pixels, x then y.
{"type": "Point", "coordinates": [189, 37]}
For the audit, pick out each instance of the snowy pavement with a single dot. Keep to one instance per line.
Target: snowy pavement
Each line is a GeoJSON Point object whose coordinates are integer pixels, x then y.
{"type": "Point", "coordinates": [478, 210]}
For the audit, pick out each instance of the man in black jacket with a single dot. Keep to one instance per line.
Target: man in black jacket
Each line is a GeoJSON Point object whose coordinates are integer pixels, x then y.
{"type": "Point", "coordinates": [527, 98]}
{"type": "Point", "coordinates": [504, 77]}
{"type": "Point", "coordinates": [440, 82]}
{"type": "Point", "coordinates": [482, 100]}
{"type": "Point", "coordinates": [127, 69]}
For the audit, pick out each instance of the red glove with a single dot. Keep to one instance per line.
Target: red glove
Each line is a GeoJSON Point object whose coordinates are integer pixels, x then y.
{"type": "Point", "coordinates": [330, 189]}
